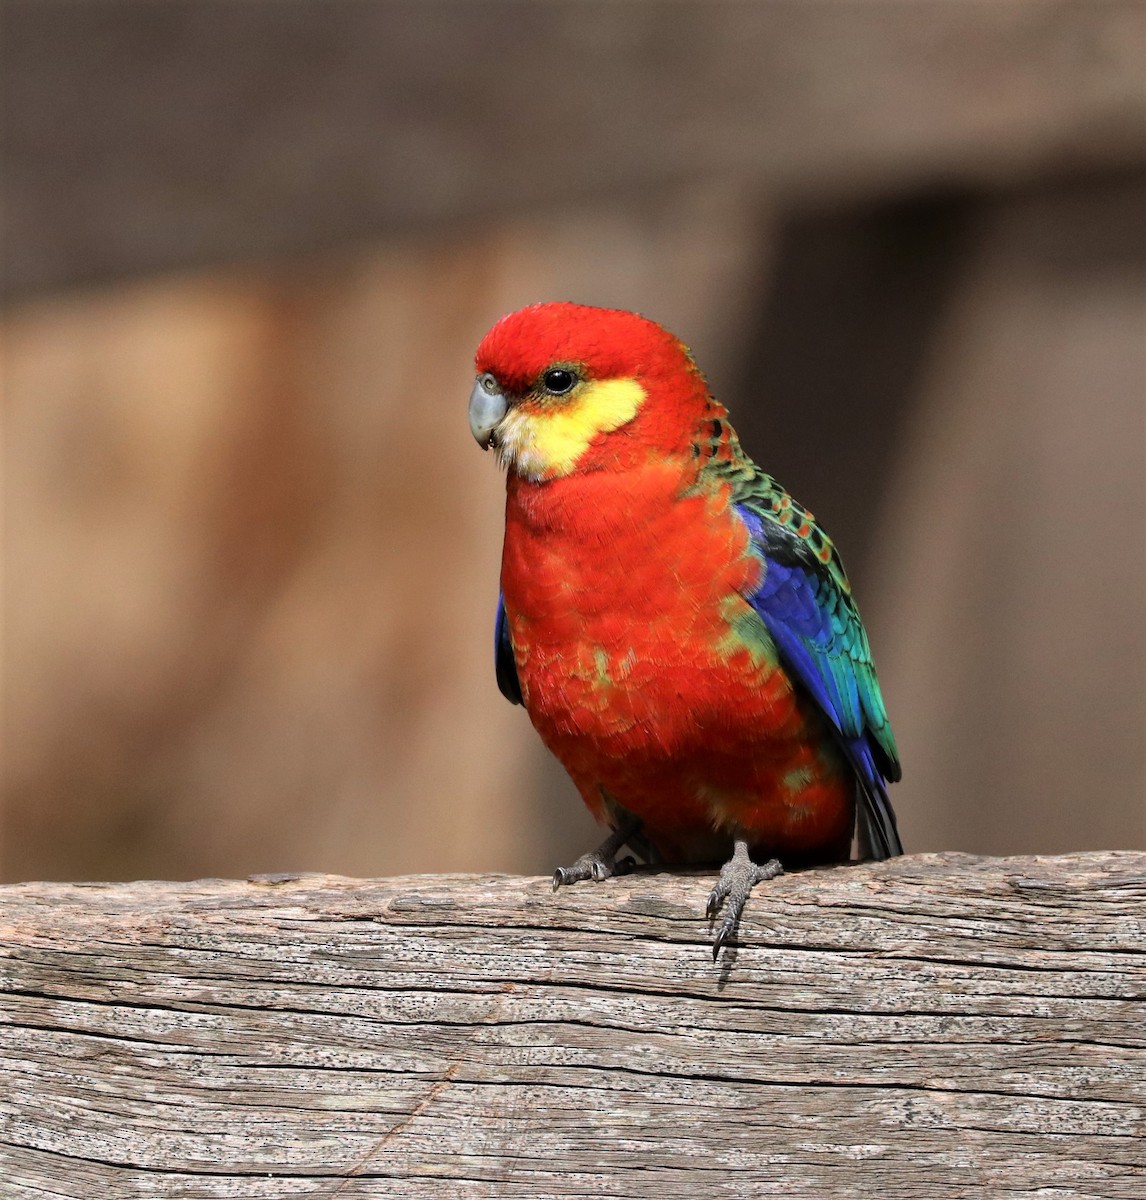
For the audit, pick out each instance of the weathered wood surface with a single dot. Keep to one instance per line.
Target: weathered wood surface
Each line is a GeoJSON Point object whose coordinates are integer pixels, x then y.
{"type": "Point", "coordinates": [937, 1026]}
{"type": "Point", "coordinates": [140, 136]}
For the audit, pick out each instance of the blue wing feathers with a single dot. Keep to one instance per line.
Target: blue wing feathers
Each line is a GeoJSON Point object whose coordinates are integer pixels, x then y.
{"type": "Point", "coordinates": [801, 625]}
{"type": "Point", "coordinates": [879, 834]}
{"type": "Point", "coordinates": [796, 654]}
{"type": "Point", "coordinates": [822, 643]}
{"type": "Point", "coordinates": [503, 661]}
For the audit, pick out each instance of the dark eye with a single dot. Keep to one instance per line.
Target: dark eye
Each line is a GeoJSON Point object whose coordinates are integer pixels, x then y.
{"type": "Point", "coordinates": [558, 381]}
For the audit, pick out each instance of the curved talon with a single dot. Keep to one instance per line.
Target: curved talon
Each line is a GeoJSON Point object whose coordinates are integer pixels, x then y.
{"type": "Point", "coordinates": [716, 899]}
{"type": "Point", "coordinates": [722, 935]}
{"type": "Point", "coordinates": [727, 928]}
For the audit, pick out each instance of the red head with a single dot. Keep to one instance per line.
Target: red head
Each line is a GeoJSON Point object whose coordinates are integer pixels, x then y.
{"type": "Point", "coordinates": [565, 387]}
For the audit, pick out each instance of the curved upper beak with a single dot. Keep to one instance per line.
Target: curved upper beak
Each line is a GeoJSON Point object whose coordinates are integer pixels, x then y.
{"type": "Point", "coordinates": [488, 406]}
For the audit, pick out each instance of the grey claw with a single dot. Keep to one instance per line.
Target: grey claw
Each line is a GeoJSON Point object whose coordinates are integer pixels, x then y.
{"type": "Point", "coordinates": [725, 931]}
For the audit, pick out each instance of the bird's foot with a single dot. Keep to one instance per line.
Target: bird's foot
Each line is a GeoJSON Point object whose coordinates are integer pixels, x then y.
{"type": "Point", "coordinates": [595, 866]}
{"type": "Point", "coordinates": [601, 863]}
{"type": "Point", "coordinates": [738, 877]}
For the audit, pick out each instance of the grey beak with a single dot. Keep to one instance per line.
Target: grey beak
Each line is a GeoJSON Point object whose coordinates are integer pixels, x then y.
{"type": "Point", "coordinates": [487, 408]}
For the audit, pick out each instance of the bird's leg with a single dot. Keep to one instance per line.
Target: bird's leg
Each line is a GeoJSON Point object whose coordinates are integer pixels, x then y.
{"type": "Point", "coordinates": [738, 877]}
{"type": "Point", "coordinates": [602, 863]}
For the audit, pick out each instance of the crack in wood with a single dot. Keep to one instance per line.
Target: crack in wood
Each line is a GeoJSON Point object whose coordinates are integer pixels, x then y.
{"type": "Point", "coordinates": [435, 1091]}
{"type": "Point", "coordinates": [168, 1029]}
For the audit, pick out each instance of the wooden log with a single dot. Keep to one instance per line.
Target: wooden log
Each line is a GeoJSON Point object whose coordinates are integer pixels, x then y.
{"type": "Point", "coordinates": [936, 1026]}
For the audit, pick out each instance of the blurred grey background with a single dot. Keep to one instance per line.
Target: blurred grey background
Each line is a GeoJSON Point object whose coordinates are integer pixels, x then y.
{"type": "Point", "coordinates": [250, 551]}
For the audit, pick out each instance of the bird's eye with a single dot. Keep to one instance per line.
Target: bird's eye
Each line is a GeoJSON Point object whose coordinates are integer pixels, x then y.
{"type": "Point", "coordinates": [558, 381]}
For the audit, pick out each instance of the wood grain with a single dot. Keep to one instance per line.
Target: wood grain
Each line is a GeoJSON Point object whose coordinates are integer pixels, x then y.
{"type": "Point", "coordinates": [936, 1026]}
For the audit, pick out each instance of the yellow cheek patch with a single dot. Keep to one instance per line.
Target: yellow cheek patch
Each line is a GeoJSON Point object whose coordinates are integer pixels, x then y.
{"type": "Point", "coordinates": [548, 441]}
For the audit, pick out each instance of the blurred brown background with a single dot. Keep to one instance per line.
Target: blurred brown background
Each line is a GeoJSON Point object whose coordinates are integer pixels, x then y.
{"type": "Point", "coordinates": [250, 551]}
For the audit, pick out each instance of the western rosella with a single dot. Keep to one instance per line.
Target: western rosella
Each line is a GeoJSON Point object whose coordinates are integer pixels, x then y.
{"type": "Point", "coordinates": [679, 629]}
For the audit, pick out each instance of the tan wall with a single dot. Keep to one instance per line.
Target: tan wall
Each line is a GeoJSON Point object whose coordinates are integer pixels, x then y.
{"type": "Point", "coordinates": [1009, 585]}
{"type": "Point", "coordinates": [251, 554]}
{"type": "Point", "coordinates": [251, 551]}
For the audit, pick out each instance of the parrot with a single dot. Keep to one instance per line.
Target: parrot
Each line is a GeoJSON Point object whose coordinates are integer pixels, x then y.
{"type": "Point", "coordinates": [680, 631]}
